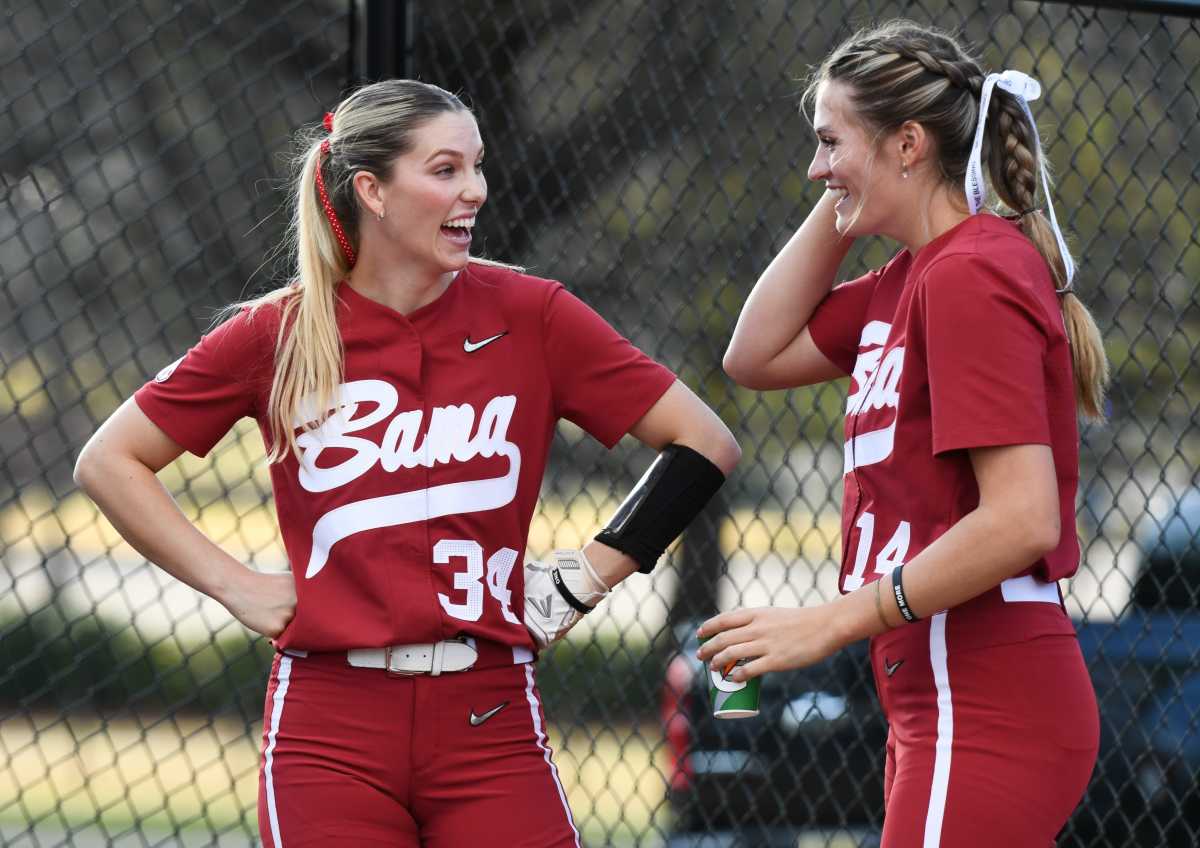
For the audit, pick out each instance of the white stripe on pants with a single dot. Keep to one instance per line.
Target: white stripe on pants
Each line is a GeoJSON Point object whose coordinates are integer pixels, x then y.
{"type": "Point", "coordinates": [945, 732]}
{"type": "Point", "coordinates": [285, 671]}
{"type": "Point", "coordinates": [541, 741]}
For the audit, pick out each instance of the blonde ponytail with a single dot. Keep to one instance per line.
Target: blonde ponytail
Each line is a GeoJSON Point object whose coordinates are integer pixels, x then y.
{"type": "Point", "coordinates": [308, 350]}
{"type": "Point", "coordinates": [1014, 156]}
{"type": "Point", "coordinates": [1087, 355]}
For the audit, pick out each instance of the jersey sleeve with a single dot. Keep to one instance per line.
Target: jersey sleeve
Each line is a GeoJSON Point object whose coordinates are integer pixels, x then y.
{"type": "Point", "coordinates": [836, 324]}
{"type": "Point", "coordinates": [199, 397]}
{"type": "Point", "coordinates": [599, 380]}
{"type": "Point", "coordinates": [986, 344]}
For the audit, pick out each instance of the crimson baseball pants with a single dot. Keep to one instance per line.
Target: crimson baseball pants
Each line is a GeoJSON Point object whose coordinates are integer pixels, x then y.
{"type": "Point", "coordinates": [989, 747]}
{"type": "Point", "coordinates": [356, 757]}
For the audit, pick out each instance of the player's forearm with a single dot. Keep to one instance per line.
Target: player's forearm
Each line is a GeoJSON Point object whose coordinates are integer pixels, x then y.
{"type": "Point", "coordinates": [788, 291]}
{"type": "Point", "coordinates": [141, 509]}
{"type": "Point", "coordinates": [983, 549]}
{"type": "Point", "coordinates": [611, 565]}
{"type": "Point", "coordinates": [679, 417]}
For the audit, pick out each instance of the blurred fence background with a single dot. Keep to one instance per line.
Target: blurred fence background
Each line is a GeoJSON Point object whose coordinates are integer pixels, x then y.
{"type": "Point", "coordinates": [649, 154]}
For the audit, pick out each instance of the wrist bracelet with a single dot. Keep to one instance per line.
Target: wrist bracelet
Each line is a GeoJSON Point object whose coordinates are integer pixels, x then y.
{"type": "Point", "coordinates": [898, 591]}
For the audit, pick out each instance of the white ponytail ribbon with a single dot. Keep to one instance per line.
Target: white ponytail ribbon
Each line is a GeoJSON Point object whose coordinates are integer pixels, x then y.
{"type": "Point", "coordinates": [1024, 88]}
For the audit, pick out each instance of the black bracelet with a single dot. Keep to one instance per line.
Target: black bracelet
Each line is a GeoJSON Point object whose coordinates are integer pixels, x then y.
{"type": "Point", "coordinates": [572, 601]}
{"type": "Point", "coordinates": [901, 601]}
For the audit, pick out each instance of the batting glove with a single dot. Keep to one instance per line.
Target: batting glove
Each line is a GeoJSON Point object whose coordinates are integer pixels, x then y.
{"type": "Point", "coordinates": [558, 593]}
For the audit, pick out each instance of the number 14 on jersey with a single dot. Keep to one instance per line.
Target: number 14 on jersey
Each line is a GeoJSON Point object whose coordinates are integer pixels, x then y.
{"type": "Point", "coordinates": [891, 555]}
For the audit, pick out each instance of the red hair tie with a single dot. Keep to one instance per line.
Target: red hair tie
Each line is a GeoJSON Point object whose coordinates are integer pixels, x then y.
{"type": "Point", "coordinates": [338, 232]}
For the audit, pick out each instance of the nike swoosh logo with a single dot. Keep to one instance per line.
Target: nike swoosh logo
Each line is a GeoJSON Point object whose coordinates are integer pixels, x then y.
{"type": "Point", "coordinates": [477, 720]}
{"type": "Point", "coordinates": [890, 668]}
{"type": "Point", "coordinates": [470, 346]}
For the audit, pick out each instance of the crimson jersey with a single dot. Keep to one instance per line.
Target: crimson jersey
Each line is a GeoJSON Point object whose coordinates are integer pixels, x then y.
{"type": "Point", "coordinates": [960, 346]}
{"type": "Point", "coordinates": [406, 517]}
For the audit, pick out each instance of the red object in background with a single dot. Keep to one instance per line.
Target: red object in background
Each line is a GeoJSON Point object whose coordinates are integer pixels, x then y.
{"type": "Point", "coordinates": [674, 712]}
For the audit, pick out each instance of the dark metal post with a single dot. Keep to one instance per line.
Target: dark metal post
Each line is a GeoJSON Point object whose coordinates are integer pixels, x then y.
{"type": "Point", "coordinates": [381, 32]}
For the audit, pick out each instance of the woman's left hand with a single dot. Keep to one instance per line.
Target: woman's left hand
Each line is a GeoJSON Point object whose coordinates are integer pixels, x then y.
{"type": "Point", "coordinates": [772, 638]}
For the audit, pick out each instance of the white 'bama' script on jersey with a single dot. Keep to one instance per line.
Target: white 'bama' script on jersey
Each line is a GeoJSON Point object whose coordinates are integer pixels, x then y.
{"type": "Point", "coordinates": [878, 387]}
{"type": "Point", "coordinates": [452, 436]}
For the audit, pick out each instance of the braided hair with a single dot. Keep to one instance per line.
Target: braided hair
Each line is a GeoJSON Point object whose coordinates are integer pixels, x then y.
{"type": "Point", "coordinates": [902, 71]}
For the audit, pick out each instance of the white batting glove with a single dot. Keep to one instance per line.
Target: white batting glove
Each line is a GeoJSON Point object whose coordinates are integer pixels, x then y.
{"type": "Point", "coordinates": [549, 589]}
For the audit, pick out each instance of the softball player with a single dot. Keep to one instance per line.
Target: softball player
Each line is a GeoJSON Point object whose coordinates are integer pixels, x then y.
{"type": "Point", "coordinates": [966, 354]}
{"type": "Point", "coordinates": [408, 395]}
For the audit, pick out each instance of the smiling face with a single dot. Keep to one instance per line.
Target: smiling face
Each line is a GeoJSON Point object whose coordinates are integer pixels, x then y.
{"type": "Point", "coordinates": [864, 172]}
{"type": "Point", "coordinates": [433, 194]}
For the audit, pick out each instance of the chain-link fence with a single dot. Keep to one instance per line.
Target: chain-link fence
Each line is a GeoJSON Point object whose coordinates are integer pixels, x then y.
{"type": "Point", "coordinates": [649, 154]}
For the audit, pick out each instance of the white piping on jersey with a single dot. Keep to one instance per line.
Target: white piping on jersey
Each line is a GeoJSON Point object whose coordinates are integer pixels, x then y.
{"type": "Point", "coordinates": [452, 436]}
{"type": "Point", "coordinates": [531, 696]}
{"type": "Point", "coordinates": [281, 688]}
{"type": "Point", "coordinates": [945, 732]}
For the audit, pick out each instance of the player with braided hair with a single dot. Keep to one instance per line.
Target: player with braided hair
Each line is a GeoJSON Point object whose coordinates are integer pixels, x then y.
{"type": "Point", "coordinates": [970, 358]}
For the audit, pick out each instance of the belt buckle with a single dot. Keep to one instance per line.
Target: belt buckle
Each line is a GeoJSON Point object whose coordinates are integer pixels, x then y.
{"type": "Point", "coordinates": [387, 666]}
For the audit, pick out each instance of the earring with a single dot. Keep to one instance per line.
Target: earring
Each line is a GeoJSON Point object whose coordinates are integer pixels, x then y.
{"type": "Point", "coordinates": [904, 170]}
{"type": "Point", "coordinates": [382, 212]}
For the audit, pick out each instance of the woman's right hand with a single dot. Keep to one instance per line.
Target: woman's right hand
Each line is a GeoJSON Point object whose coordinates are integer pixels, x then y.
{"type": "Point", "coordinates": [768, 639]}
{"type": "Point", "coordinates": [265, 603]}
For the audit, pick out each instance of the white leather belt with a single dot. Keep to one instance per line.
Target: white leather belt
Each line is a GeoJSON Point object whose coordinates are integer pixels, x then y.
{"type": "Point", "coordinates": [428, 658]}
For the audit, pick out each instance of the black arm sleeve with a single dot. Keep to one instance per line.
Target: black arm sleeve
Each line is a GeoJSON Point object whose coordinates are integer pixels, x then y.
{"type": "Point", "coordinates": [670, 494]}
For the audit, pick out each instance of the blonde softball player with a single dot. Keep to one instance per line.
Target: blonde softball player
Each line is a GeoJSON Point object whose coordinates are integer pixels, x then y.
{"type": "Point", "coordinates": [408, 395]}
{"type": "Point", "coordinates": [967, 353]}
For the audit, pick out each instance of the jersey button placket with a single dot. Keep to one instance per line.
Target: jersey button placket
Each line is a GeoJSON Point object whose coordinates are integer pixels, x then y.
{"type": "Point", "coordinates": [423, 533]}
{"type": "Point", "coordinates": [854, 492]}
{"type": "Point", "coordinates": [417, 548]}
